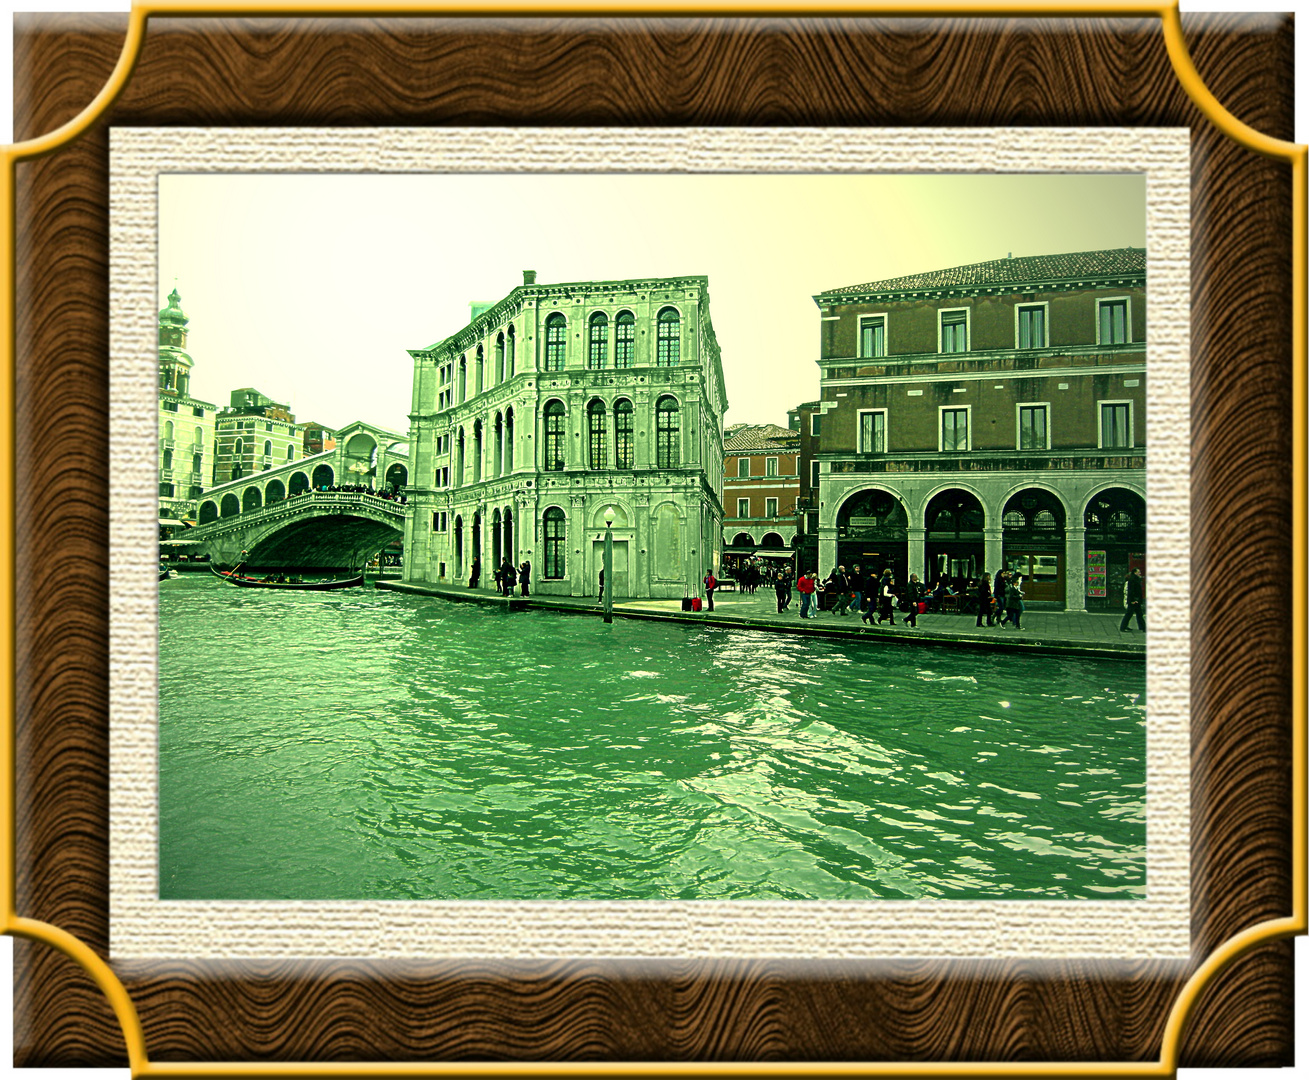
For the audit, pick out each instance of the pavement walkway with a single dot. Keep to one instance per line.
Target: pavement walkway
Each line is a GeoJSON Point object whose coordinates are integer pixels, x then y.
{"type": "Point", "coordinates": [1049, 632]}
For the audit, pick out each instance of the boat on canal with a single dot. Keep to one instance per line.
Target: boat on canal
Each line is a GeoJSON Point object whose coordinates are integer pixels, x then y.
{"type": "Point", "coordinates": [233, 578]}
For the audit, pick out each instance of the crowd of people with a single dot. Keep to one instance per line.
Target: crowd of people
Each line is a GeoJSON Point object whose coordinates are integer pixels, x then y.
{"type": "Point", "coordinates": [360, 489]}
{"type": "Point", "coordinates": [507, 576]}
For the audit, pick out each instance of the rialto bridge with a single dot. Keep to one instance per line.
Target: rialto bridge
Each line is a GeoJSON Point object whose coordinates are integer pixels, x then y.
{"type": "Point", "coordinates": [293, 516]}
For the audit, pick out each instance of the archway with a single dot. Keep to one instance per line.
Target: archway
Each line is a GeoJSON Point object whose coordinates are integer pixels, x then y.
{"type": "Point", "coordinates": [251, 499]}
{"type": "Point", "coordinates": [743, 540]}
{"type": "Point", "coordinates": [459, 548]}
{"type": "Point", "coordinates": [323, 477]}
{"type": "Point", "coordinates": [360, 454]}
{"type": "Point", "coordinates": [872, 530]}
{"type": "Point", "coordinates": [773, 541]}
{"type": "Point", "coordinates": [397, 477]}
{"type": "Point", "coordinates": [208, 512]}
{"type": "Point", "coordinates": [231, 505]}
{"type": "Point", "coordinates": [954, 521]}
{"type": "Point", "coordinates": [1115, 544]}
{"type": "Point", "coordinates": [298, 485]}
{"type": "Point", "coordinates": [1034, 546]}
{"type": "Point", "coordinates": [274, 492]}
{"type": "Point", "coordinates": [477, 538]}
{"type": "Point", "coordinates": [496, 556]}
{"type": "Point", "coordinates": [508, 526]}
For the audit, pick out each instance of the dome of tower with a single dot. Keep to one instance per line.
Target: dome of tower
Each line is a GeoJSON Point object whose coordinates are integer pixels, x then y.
{"type": "Point", "coordinates": [172, 314]}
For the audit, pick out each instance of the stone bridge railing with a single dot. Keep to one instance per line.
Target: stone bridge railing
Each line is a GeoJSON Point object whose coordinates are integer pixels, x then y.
{"type": "Point", "coordinates": [306, 504]}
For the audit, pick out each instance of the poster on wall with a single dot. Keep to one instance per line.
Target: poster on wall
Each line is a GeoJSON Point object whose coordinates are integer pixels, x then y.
{"type": "Point", "coordinates": [1095, 573]}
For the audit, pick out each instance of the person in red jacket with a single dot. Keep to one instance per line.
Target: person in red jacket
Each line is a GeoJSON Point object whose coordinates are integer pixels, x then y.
{"type": "Point", "coordinates": [806, 585]}
{"type": "Point", "coordinates": [710, 584]}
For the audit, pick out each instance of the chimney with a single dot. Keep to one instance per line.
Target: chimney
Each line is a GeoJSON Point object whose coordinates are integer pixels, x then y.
{"type": "Point", "coordinates": [1011, 254]}
{"type": "Point", "coordinates": [529, 277]}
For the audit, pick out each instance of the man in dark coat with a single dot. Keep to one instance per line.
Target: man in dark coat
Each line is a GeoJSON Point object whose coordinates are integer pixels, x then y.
{"type": "Point", "coordinates": [1133, 601]}
{"type": "Point", "coordinates": [984, 601]}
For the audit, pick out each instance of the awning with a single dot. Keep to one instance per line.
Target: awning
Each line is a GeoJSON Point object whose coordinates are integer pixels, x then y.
{"type": "Point", "coordinates": [775, 553]}
{"type": "Point", "coordinates": [172, 521]}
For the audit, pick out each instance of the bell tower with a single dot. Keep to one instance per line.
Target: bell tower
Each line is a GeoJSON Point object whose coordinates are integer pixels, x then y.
{"type": "Point", "coordinates": [174, 360]}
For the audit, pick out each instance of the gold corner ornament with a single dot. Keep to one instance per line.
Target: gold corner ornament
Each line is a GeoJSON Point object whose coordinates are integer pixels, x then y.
{"type": "Point", "coordinates": [1296, 155]}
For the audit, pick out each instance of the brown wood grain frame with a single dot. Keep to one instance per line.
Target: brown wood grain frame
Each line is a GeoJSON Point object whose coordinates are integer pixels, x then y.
{"type": "Point", "coordinates": [633, 71]}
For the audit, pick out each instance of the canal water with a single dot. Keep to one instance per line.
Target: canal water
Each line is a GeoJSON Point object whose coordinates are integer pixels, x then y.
{"type": "Point", "coordinates": [372, 745]}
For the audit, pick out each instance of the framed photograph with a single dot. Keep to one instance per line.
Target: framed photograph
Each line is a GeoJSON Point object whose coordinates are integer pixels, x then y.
{"type": "Point", "coordinates": [304, 294]}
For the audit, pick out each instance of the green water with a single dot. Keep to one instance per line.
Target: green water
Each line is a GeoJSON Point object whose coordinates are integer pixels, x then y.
{"type": "Point", "coordinates": [371, 745]}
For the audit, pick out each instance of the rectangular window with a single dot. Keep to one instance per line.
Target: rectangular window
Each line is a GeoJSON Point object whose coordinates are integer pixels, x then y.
{"type": "Point", "coordinates": [872, 335]}
{"type": "Point", "coordinates": [813, 475]}
{"type": "Point", "coordinates": [624, 341]}
{"type": "Point", "coordinates": [1114, 328]}
{"type": "Point", "coordinates": [436, 521]}
{"type": "Point", "coordinates": [954, 330]}
{"type": "Point", "coordinates": [770, 466]}
{"type": "Point", "coordinates": [197, 411]}
{"type": "Point", "coordinates": [1116, 424]}
{"type": "Point", "coordinates": [816, 424]}
{"type": "Point", "coordinates": [872, 432]}
{"type": "Point", "coordinates": [1033, 432]}
{"type": "Point", "coordinates": [554, 543]}
{"type": "Point", "coordinates": [166, 490]}
{"type": "Point", "coordinates": [954, 429]}
{"type": "Point", "coordinates": [770, 508]}
{"type": "Point", "coordinates": [1031, 326]}
{"type": "Point", "coordinates": [170, 406]}
{"type": "Point", "coordinates": [743, 508]}
{"type": "Point", "coordinates": [743, 466]}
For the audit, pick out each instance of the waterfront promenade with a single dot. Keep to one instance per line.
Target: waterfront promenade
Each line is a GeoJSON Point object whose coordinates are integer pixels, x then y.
{"type": "Point", "coordinates": [1050, 632]}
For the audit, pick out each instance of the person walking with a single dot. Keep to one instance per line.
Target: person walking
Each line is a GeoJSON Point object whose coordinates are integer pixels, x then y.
{"type": "Point", "coordinates": [476, 574]}
{"type": "Point", "coordinates": [710, 584]}
{"type": "Point", "coordinates": [1001, 584]}
{"type": "Point", "coordinates": [984, 601]}
{"type": "Point", "coordinates": [912, 592]}
{"type": "Point", "coordinates": [886, 610]}
{"type": "Point", "coordinates": [1133, 601]}
{"type": "Point", "coordinates": [525, 577]}
{"type": "Point", "coordinates": [841, 583]}
{"type": "Point", "coordinates": [1013, 599]}
{"type": "Point", "coordinates": [858, 586]}
{"type": "Point", "coordinates": [508, 577]}
{"type": "Point", "coordinates": [599, 600]}
{"type": "Point", "coordinates": [807, 584]}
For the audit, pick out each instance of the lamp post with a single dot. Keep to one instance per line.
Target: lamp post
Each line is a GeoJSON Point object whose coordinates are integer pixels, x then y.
{"type": "Point", "coordinates": [609, 564]}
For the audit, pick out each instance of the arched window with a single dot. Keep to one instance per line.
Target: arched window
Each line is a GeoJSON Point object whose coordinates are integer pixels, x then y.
{"type": "Point", "coordinates": [500, 358]}
{"type": "Point", "coordinates": [624, 454]}
{"type": "Point", "coordinates": [556, 338]}
{"type": "Point", "coordinates": [480, 383]}
{"type": "Point", "coordinates": [268, 448]}
{"type": "Point", "coordinates": [595, 425]}
{"type": "Point", "coordinates": [509, 441]}
{"type": "Point", "coordinates": [290, 452]}
{"type": "Point", "coordinates": [669, 350]}
{"type": "Point", "coordinates": [624, 340]}
{"type": "Point", "coordinates": [168, 430]}
{"type": "Point", "coordinates": [459, 461]}
{"type": "Point", "coordinates": [168, 459]}
{"type": "Point", "coordinates": [477, 452]}
{"type": "Point", "coordinates": [509, 365]}
{"type": "Point", "coordinates": [555, 545]}
{"type": "Point", "coordinates": [554, 435]}
{"type": "Point", "coordinates": [240, 447]}
{"type": "Point", "coordinates": [199, 444]}
{"type": "Point", "coordinates": [463, 378]}
{"type": "Point", "coordinates": [599, 350]}
{"type": "Point", "coordinates": [497, 451]}
{"type": "Point", "coordinates": [667, 448]}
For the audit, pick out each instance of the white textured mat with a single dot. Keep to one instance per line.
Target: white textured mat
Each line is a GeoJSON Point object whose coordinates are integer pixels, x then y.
{"type": "Point", "coordinates": [143, 926]}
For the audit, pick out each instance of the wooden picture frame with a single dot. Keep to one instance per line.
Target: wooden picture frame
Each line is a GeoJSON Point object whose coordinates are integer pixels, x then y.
{"type": "Point", "coordinates": [851, 64]}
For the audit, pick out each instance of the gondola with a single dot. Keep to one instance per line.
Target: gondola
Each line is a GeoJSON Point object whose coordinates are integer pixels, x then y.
{"type": "Point", "coordinates": [164, 573]}
{"type": "Point", "coordinates": [299, 586]}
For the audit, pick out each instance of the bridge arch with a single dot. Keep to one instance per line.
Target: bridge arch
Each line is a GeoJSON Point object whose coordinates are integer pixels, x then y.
{"type": "Point", "coordinates": [323, 477]}
{"type": "Point", "coordinates": [231, 505]}
{"type": "Point", "coordinates": [274, 492]}
{"type": "Point", "coordinates": [208, 512]}
{"type": "Point", "coordinates": [397, 476]}
{"type": "Point", "coordinates": [251, 499]}
{"type": "Point", "coordinates": [297, 485]}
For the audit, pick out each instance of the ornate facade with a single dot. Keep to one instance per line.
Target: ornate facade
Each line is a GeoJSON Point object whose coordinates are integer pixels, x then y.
{"type": "Point", "coordinates": [555, 404]}
{"type": "Point", "coordinates": [988, 415]}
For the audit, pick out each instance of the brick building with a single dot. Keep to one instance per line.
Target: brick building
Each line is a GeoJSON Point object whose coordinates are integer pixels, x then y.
{"type": "Point", "coordinates": [761, 485]}
{"type": "Point", "coordinates": [986, 415]}
{"type": "Point", "coordinates": [252, 434]}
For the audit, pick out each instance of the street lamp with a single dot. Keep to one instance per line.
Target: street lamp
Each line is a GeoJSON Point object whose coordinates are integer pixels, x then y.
{"type": "Point", "coordinates": [609, 564]}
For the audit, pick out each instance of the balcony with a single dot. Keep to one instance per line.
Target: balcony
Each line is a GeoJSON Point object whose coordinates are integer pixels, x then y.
{"type": "Point", "coordinates": [991, 461]}
{"type": "Point", "coordinates": [167, 444]}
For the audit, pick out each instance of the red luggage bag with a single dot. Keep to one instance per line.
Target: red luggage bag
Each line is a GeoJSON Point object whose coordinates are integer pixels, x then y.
{"type": "Point", "coordinates": [695, 603]}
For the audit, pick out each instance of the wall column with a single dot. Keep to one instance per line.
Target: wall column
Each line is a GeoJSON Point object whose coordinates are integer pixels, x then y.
{"type": "Point", "coordinates": [1074, 569]}
{"type": "Point", "coordinates": [917, 554]}
{"type": "Point", "coordinates": [994, 540]}
{"type": "Point", "coordinates": [826, 550]}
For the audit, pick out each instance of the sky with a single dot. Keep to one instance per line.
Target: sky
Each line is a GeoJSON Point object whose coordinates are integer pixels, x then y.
{"type": "Point", "coordinates": [311, 288]}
